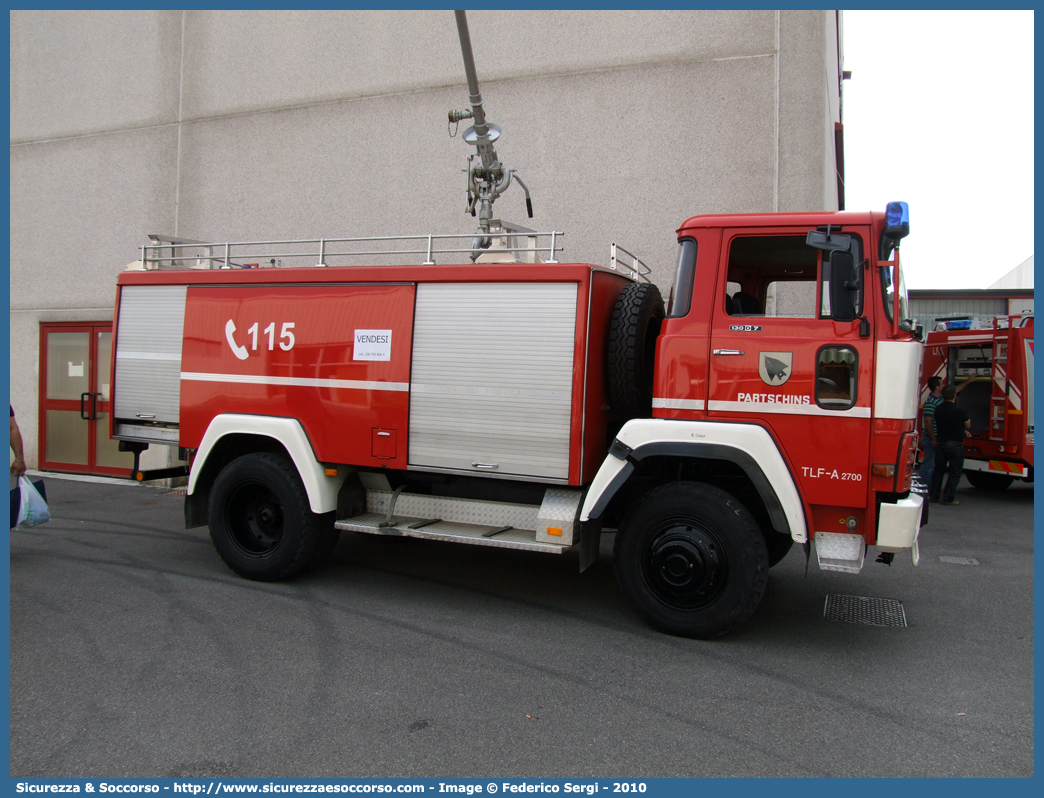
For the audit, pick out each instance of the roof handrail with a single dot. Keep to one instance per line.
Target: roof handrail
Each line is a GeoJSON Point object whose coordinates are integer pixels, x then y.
{"type": "Point", "coordinates": [506, 241]}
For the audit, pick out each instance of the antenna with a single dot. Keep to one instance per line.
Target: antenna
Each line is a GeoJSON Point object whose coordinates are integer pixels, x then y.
{"type": "Point", "coordinates": [488, 178]}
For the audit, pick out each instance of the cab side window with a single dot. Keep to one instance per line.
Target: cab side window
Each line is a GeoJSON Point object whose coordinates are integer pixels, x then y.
{"type": "Point", "coordinates": [837, 372]}
{"type": "Point", "coordinates": [772, 276]}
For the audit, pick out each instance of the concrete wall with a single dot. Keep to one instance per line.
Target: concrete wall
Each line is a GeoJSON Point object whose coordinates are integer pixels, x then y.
{"type": "Point", "coordinates": [251, 125]}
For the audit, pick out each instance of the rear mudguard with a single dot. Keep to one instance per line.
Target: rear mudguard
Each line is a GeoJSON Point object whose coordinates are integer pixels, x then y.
{"type": "Point", "coordinates": [321, 489]}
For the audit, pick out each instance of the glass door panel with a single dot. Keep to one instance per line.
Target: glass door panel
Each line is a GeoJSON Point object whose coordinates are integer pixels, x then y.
{"type": "Point", "coordinates": [104, 361]}
{"type": "Point", "coordinates": [65, 438]}
{"type": "Point", "coordinates": [107, 453]}
{"type": "Point", "coordinates": [107, 456]}
{"type": "Point", "coordinates": [68, 369]}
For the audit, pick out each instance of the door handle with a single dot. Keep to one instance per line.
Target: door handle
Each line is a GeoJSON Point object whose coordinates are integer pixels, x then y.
{"type": "Point", "coordinates": [92, 414]}
{"type": "Point", "coordinates": [729, 352]}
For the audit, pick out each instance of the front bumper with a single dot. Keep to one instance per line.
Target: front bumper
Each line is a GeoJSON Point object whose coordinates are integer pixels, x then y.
{"type": "Point", "coordinates": [898, 525]}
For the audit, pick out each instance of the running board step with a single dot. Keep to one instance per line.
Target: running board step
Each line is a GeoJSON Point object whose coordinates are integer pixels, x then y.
{"type": "Point", "coordinates": [549, 527]}
{"type": "Point", "coordinates": [501, 536]}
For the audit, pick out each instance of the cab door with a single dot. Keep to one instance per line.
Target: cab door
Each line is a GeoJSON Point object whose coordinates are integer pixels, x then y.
{"type": "Point", "coordinates": [781, 359]}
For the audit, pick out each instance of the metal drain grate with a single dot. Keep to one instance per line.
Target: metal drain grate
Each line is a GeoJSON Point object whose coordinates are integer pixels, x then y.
{"type": "Point", "coordinates": [860, 609]}
{"type": "Point", "coordinates": [959, 560]}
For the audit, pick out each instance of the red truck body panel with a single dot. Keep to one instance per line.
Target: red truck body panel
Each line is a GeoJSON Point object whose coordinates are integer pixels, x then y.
{"type": "Point", "coordinates": [354, 411]}
{"type": "Point", "coordinates": [340, 401]}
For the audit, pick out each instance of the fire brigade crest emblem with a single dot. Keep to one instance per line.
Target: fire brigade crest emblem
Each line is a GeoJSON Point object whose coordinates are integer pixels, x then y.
{"type": "Point", "coordinates": [774, 368]}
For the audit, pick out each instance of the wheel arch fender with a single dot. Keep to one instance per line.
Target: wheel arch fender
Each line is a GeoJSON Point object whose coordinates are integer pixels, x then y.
{"type": "Point", "coordinates": [288, 432]}
{"type": "Point", "coordinates": [749, 446]}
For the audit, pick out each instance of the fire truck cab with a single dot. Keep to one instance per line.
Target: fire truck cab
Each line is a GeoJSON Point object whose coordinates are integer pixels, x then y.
{"type": "Point", "coordinates": [526, 403]}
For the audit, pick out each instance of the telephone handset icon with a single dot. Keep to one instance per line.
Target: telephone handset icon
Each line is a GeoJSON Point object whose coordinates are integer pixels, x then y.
{"type": "Point", "coordinates": [237, 350]}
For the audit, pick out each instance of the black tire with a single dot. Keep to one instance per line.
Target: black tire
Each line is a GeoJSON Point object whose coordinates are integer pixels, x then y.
{"type": "Point", "coordinates": [777, 546]}
{"type": "Point", "coordinates": [691, 560]}
{"type": "Point", "coordinates": [260, 520]}
{"type": "Point", "coordinates": [984, 481]}
{"type": "Point", "coordinates": [637, 317]}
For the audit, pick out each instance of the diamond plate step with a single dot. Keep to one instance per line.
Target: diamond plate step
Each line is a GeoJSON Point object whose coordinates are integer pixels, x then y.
{"type": "Point", "coordinates": [433, 529]}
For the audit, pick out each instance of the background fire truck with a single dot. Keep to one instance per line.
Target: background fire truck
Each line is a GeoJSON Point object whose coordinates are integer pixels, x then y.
{"type": "Point", "coordinates": [999, 354]}
{"type": "Point", "coordinates": [493, 395]}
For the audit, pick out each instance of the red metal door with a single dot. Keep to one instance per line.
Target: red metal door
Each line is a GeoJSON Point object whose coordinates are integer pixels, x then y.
{"type": "Point", "coordinates": [75, 403]}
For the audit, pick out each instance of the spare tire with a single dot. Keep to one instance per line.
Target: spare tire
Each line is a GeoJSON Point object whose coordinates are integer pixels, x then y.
{"type": "Point", "coordinates": [635, 326]}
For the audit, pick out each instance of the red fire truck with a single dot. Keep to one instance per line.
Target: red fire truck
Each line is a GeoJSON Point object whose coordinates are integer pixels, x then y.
{"type": "Point", "coordinates": [521, 402]}
{"type": "Point", "coordinates": [998, 352]}
{"type": "Point", "coordinates": [532, 406]}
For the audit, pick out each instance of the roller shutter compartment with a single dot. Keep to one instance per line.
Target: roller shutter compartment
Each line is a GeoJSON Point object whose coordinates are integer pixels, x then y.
{"type": "Point", "coordinates": [492, 378]}
{"type": "Point", "coordinates": [148, 356]}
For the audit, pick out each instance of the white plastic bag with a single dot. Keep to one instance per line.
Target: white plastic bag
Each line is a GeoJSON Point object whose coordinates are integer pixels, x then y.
{"type": "Point", "coordinates": [32, 508]}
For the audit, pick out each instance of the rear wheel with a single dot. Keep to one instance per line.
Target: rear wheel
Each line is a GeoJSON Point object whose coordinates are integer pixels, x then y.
{"type": "Point", "coordinates": [985, 481]}
{"type": "Point", "coordinates": [691, 560]}
{"type": "Point", "coordinates": [260, 519]}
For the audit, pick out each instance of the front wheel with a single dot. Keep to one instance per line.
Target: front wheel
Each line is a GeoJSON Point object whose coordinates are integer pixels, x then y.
{"type": "Point", "coordinates": [691, 560]}
{"type": "Point", "coordinates": [260, 519]}
{"type": "Point", "coordinates": [984, 481]}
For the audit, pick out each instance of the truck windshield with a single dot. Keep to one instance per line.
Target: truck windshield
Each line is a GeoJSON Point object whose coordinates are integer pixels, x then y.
{"type": "Point", "coordinates": [889, 298]}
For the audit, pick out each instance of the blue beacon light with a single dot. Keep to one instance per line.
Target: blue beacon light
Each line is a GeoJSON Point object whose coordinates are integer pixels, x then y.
{"type": "Point", "coordinates": [897, 213]}
{"type": "Point", "coordinates": [897, 220]}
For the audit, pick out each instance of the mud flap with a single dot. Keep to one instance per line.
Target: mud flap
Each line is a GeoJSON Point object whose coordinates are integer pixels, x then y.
{"type": "Point", "coordinates": [590, 536]}
{"type": "Point", "coordinates": [196, 509]}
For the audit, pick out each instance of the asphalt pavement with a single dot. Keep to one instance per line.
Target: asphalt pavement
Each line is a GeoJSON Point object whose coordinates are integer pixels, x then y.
{"type": "Point", "coordinates": [136, 653]}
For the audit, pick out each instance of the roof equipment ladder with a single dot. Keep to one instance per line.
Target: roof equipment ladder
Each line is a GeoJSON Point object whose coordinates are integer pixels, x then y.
{"type": "Point", "coordinates": [999, 397]}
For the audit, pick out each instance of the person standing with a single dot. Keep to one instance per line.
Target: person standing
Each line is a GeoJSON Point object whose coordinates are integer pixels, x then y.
{"type": "Point", "coordinates": [18, 464]}
{"type": "Point", "coordinates": [952, 426]}
{"type": "Point", "coordinates": [928, 442]}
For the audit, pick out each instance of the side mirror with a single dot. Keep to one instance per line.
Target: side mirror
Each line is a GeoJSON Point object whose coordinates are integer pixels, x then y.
{"type": "Point", "coordinates": [845, 283]}
{"type": "Point", "coordinates": [828, 241]}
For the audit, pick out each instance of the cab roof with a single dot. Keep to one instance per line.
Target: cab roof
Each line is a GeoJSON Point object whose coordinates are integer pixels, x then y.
{"type": "Point", "coordinates": [733, 220]}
